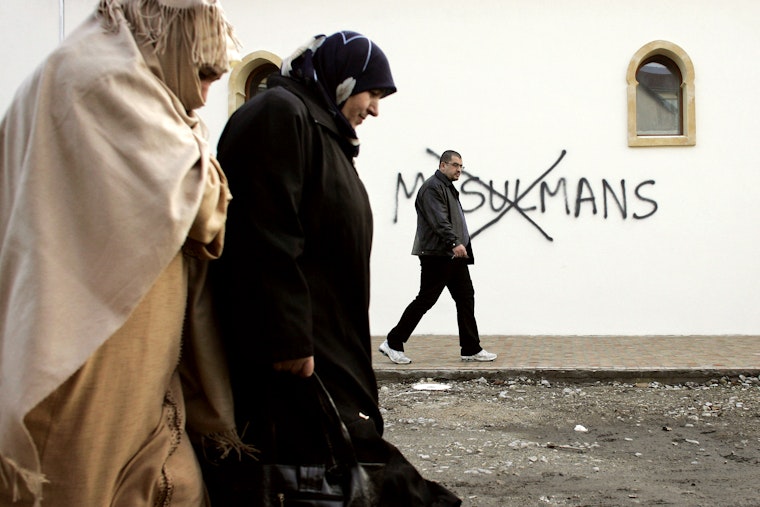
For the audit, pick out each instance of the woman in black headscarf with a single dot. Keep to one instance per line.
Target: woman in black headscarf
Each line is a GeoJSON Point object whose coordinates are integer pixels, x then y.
{"type": "Point", "coordinates": [292, 288]}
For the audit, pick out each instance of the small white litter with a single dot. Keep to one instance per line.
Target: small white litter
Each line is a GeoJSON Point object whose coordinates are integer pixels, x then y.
{"type": "Point", "coordinates": [581, 428]}
{"type": "Point", "coordinates": [430, 386]}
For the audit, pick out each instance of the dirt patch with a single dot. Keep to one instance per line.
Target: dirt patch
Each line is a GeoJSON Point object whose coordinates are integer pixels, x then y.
{"type": "Point", "coordinates": [521, 442]}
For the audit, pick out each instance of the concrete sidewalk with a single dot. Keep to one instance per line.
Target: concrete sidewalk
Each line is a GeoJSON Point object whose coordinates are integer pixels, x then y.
{"type": "Point", "coordinates": [579, 358]}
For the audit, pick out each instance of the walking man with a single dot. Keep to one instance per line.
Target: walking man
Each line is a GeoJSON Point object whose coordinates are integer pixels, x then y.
{"type": "Point", "coordinates": [442, 244]}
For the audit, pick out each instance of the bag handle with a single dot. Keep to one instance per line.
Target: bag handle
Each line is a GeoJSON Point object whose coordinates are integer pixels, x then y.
{"type": "Point", "coordinates": [335, 430]}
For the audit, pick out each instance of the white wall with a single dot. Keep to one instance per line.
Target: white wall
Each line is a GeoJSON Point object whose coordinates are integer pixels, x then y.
{"type": "Point", "coordinates": [510, 84]}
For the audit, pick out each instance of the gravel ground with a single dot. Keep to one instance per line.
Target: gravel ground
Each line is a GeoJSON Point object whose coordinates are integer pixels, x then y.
{"type": "Point", "coordinates": [524, 442]}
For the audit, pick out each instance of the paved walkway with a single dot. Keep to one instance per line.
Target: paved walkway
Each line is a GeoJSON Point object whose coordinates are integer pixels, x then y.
{"type": "Point", "coordinates": [579, 358]}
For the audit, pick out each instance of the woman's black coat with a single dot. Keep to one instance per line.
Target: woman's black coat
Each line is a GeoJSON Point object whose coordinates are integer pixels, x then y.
{"type": "Point", "coordinates": [293, 281]}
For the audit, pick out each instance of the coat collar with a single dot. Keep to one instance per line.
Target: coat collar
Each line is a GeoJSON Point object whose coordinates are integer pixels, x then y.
{"type": "Point", "coordinates": [319, 113]}
{"type": "Point", "coordinates": [442, 177]}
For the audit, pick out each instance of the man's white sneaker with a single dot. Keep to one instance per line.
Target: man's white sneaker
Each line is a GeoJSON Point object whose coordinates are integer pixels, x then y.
{"type": "Point", "coordinates": [483, 355]}
{"type": "Point", "coordinates": [396, 356]}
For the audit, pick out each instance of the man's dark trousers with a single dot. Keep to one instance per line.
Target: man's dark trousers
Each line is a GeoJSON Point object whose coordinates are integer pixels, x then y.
{"type": "Point", "coordinates": [438, 272]}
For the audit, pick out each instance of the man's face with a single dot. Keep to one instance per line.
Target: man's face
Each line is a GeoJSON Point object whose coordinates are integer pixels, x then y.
{"type": "Point", "coordinates": [361, 105]}
{"type": "Point", "coordinates": [453, 168]}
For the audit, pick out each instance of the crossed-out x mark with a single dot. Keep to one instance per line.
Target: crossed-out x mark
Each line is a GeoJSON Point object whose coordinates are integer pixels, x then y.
{"type": "Point", "coordinates": [510, 204]}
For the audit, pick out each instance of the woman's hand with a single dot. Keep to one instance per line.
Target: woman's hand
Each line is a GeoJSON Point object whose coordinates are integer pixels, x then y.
{"type": "Point", "coordinates": [302, 367]}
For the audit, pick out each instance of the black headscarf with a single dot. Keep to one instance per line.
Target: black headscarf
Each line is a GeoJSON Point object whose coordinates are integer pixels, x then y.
{"type": "Point", "coordinates": [338, 66]}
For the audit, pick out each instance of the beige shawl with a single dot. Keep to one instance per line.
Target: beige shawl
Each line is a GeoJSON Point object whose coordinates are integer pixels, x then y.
{"type": "Point", "coordinates": [102, 171]}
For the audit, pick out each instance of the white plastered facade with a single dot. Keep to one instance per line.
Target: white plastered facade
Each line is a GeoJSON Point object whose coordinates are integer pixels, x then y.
{"type": "Point", "coordinates": [658, 240]}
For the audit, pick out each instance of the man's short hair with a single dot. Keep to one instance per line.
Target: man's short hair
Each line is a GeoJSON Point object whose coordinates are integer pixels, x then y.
{"type": "Point", "coordinates": [448, 155]}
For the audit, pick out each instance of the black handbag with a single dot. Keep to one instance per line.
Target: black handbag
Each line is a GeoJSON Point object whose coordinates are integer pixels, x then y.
{"type": "Point", "coordinates": [339, 482]}
{"type": "Point", "coordinates": [337, 479]}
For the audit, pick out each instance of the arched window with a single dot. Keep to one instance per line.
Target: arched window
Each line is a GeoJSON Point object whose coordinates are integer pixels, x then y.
{"type": "Point", "coordinates": [249, 77]}
{"type": "Point", "coordinates": [661, 97]}
{"type": "Point", "coordinates": [257, 80]}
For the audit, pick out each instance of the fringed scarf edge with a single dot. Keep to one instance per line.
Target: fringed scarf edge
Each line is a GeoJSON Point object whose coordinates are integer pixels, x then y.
{"type": "Point", "coordinates": [223, 443]}
{"type": "Point", "coordinates": [12, 474]}
{"type": "Point", "coordinates": [204, 26]}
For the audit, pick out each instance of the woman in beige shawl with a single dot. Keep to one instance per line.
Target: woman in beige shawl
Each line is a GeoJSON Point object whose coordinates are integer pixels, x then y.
{"type": "Point", "coordinates": [105, 179]}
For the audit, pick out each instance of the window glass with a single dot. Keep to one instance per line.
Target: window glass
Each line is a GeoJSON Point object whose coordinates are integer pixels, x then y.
{"type": "Point", "coordinates": [257, 80]}
{"type": "Point", "coordinates": [659, 98]}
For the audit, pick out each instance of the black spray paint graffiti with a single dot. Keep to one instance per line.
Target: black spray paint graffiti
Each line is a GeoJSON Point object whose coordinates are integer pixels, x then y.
{"type": "Point", "coordinates": [474, 188]}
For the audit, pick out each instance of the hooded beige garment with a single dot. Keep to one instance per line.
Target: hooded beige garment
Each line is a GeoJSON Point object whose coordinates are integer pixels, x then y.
{"type": "Point", "coordinates": [102, 175]}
